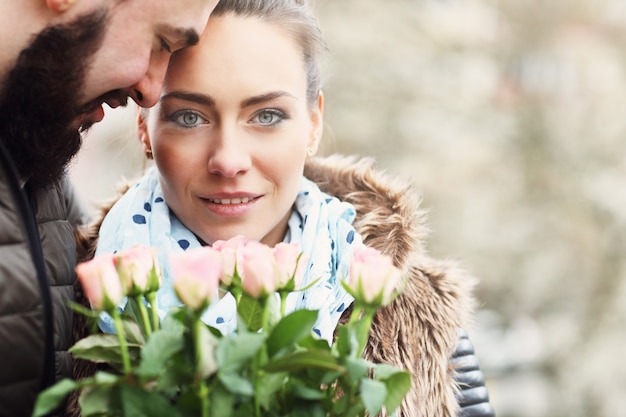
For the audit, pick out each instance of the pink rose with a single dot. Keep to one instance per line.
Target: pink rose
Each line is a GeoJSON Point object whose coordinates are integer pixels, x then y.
{"type": "Point", "coordinates": [101, 282]}
{"type": "Point", "coordinates": [138, 269]}
{"type": "Point", "coordinates": [232, 254]}
{"type": "Point", "coordinates": [259, 270]}
{"type": "Point", "coordinates": [290, 264]}
{"type": "Point", "coordinates": [196, 275]}
{"type": "Point", "coordinates": [373, 278]}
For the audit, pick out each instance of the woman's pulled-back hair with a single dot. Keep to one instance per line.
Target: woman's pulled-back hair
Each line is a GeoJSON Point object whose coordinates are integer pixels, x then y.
{"type": "Point", "coordinates": [295, 18]}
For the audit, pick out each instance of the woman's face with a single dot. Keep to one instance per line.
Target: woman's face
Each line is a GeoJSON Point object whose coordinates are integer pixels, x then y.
{"type": "Point", "coordinates": [231, 131]}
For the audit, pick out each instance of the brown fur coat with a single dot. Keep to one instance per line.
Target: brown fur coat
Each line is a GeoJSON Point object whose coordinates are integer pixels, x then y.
{"type": "Point", "coordinates": [418, 331]}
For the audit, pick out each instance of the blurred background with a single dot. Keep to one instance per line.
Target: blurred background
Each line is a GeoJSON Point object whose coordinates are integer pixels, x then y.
{"type": "Point", "coordinates": [509, 117]}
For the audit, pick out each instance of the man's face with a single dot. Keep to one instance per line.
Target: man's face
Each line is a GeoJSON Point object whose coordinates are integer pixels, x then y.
{"type": "Point", "coordinates": [38, 100]}
{"type": "Point", "coordinates": [69, 70]}
{"type": "Point", "coordinates": [133, 58]}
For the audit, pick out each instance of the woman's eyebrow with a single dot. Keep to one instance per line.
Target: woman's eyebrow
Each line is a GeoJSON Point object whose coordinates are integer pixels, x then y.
{"type": "Point", "coordinates": [261, 98]}
{"type": "Point", "coordinates": [201, 99]}
{"type": "Point", "coordinates": [206, 100]}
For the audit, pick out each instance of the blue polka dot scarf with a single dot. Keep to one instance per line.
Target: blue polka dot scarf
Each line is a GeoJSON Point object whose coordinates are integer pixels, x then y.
{"type": "Point", "coordinates": [320, 223]}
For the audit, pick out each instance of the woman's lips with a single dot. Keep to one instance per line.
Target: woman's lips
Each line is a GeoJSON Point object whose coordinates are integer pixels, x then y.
{"type": "Point", "coordinates": [230, 206]}
{"type": "Point", "coordinates": [236, 200]}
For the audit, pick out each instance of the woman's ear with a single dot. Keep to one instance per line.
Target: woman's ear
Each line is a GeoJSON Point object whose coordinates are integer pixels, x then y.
{"type": "Point", "coordinates": [317, 125]}
{"type": "Point", "coordinates": [60, 6]}
{"type": "Point", "coordinates": [142, 132]}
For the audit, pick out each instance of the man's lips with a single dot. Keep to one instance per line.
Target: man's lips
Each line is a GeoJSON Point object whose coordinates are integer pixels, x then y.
{"type": "Point", "coordinates": [113, 99]}
{"type": "Point", "coordinates": [93, 112]}
{"type": "Point", "coordinates": [86, 120]}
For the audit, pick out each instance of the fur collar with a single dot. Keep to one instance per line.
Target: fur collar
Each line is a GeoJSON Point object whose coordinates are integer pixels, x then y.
{"type": "Point", "coordinates": [419, 330]}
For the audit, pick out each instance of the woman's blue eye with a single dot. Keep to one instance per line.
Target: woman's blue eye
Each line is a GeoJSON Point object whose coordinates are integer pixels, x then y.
{"type": "Point", "coordinates": [269, 117]}
{"type": "Point", "coordinates": [189, 118]}
{"type": "Point", "coordinates": [186, 118]}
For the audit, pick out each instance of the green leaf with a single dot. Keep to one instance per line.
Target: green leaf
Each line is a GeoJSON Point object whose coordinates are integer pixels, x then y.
{"type": "Point", "coordinates": [385, 370]}
{"type": "Point", "coordinates": [344, 343]}
{"type": "Point", "coordinates": [162, 345]}
{"type": "Point", "coordinates": [137, 402]}
{"type": "Point", "coordinates": [308, 393]}
{"type": "Point", "coordinates": [267, 385]}
{"type": "Point", "coordinates": [106, 378]}
{"type": "Point", "coordinates": [361, 332]}
{"type": "Point", "coordinates": [290, 330]}
{"type": "Point", "coordinates": [236, 384]}
{"type": "Point", "coordinates": [357, 368]}
{"type": "Point", "coordinates": [233, 351]}
{"type": "Point", "coordinates": [133, 332]}
{"type": "Point", "coordinates": [373, 395]}
{"type": "Point", "coordinates": [314, 343]}
{"type": "Point", "coordinates": [304, 360]}
{"type": "Point", "coordinates": [98, 400]}
{"type": "Point", "coordinates": [307, 409]}
{"type": "Point", "coordinates": [102, 348]}
{"type": "Point", "coordinates": [221, 401]}
{"type": "Point", "coordinates": [250, 311]}
{"type": "Point", "coordinates": [172, 377]}
{"type": "Point", "coordinates": [328, 378]}
{"type": "Point", "coordinates": [398, 385]}
{"type": "Point", "coordinates": [52, 397]}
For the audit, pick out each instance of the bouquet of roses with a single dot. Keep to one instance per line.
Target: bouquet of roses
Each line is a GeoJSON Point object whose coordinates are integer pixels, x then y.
{"type": "Point", "coordinates": [272, 365]}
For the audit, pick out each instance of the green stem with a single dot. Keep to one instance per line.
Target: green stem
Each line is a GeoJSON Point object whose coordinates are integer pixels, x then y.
{"type": "Point", "coordinates": [262, 356]}
{"type": "Point", "coordinates": [356, 313]}
{"type": "Point", "coordinates": [203, 389]}
{"type": "Point", "coordinates": [283, 303]}
{"type": "Point", "coordinates": [361, 322]}
{"type": "Point", "coordinates": [366, 325]}
{"type": "Point", "coordinates": [119, 329]}
{"type": "Point", "coordinates": [203, 392]}
{"type": "Point", "coordinates": [144, 315]}
{"type": "Point", "coordinates": [151, 297]}
{"type": "Point", "coordinates": [196, 339]}
{"type": "Point", "coordinates": [266, 313]}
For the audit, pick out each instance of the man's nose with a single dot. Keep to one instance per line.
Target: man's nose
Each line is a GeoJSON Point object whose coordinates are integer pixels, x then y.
{"type": "Point", "coordinates": [146, 92]}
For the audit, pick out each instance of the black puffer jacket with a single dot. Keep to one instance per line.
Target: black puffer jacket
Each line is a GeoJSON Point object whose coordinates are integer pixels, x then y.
{"type": "Point", "coordinates": [473, 396]}
{"type": "Point", "coordinates": [37, 260]}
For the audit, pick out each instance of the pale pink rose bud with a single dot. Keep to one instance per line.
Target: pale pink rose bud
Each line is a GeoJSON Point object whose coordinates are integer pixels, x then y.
{"type": "Point", "coordinates": [100, 282]}
{"type": "Point", "coordinates": [136, 266]}
{"type": "Point", "coordinates": [373, 278]}
{"type": "Point", "coordinates": [259, 270]}
{"type": "Point", "coordinates": [196, 275]}
{"type": "Point", "coordinates": [290, 263]}
{"type": "Point", "coordinates": [232, 254]}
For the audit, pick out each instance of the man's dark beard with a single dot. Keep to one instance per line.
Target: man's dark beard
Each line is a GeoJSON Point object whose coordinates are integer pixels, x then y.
{"type": "Point", "coordinates": [40, 98]}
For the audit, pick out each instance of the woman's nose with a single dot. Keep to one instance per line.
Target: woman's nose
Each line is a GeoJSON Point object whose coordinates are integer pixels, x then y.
{"type": "Point", "coordinates": [230, 156]}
